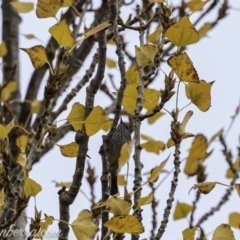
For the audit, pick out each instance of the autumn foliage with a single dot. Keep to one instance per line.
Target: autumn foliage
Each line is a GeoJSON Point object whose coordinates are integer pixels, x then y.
{"type": "Point", "coordinates": [30, 126]}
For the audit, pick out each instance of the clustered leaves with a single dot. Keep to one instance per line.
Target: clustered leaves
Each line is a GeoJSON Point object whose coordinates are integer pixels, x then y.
{"type": "Point", "coordinates": [24, 139]}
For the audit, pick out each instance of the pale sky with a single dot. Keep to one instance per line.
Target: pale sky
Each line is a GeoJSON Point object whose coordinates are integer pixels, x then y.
{"type": "Point", "coordinates": [216, 58]}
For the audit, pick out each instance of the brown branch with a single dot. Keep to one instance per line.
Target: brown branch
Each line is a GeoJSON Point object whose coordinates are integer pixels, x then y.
{"type": "Point", "coordinates": [154, 205]}
{"type": "Point", "coordinates": [113, 7]}
{"type": "Point", "coordinates": [76, 89]}
{"type": "Point", "coordinates": [208, 10]}
{"type": "Point", "coordinates": [53, 84]}
{"type": "Point", "coordinates": [228, 192]}
{"type": "Point", "coordinates": [10, 23]}
{"type": "Point", "coordinates": [166, 95]}
{"type": "Point", "coordinates": [142, 27]}
{"type": "Point", "coordinates": [194, 204]}
{"type": "Point", "coordinates": [213, 210]}
{"type": "Point", "coordinates": [63, 130]}
{"type": "Point", "coordinates": [38, 74]}
{"type": "Point", "coordinates": [144, 12]}
{"type": "Point", "coordinates": [176, 137]}
{"type": "Point", "coordinates": [201, 177]}
{"type": "Point", "coordinates": [137, 128]}
{"type": "Point", "coordinates": [66, 198]}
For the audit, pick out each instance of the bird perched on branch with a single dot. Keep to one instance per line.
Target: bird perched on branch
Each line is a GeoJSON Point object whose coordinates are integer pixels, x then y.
{"type": "Point", "coordinates": [121, 136]}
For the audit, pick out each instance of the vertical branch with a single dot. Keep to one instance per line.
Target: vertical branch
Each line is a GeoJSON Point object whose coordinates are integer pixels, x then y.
{"type": "Point", "coordinates": [154, 205]}
{"type": "Point", "coordinates": [10, 22]}
{"type": "Point", "coordinates": [66, 198]}
{"type": "Point", "coordinates": [201, 177]}
{"type": "Point", "coordinates": [176, 137]}
{"type": "Point", "coordinates": [137, 120]}
{"type": "Point", "coordinates": [10, 35]}
{"type": "Point", "coordinates": [113, 7]}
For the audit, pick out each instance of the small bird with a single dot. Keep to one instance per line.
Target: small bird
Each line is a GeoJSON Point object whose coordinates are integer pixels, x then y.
{"type": "Point", "coordinates": [121, 136]}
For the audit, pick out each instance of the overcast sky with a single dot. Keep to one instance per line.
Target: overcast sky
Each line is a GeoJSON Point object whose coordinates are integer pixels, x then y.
{"type": "Point", "coordinates": [216, 58]}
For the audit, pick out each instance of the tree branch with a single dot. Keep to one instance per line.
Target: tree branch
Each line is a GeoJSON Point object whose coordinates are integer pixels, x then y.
{"type": "Point", "coordinates": [66, 198]}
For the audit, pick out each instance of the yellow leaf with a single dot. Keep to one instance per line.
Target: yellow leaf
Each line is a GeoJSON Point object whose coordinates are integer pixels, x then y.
{"type": "Point", "coordinates": [234, 220]}
{"type": "Point", "coordinates": [196, 5]}
{"type": "Point", "coordinates": [145, 200]}
{"type": "Point", "coordinates": [44, 226]}
{"type": "Point", "coordinates": [153, 37]}
{"type": "Point", "coordinates": [62, 34]}
{"type": "Point", "coordinates": [21, 142]}
{"type": "Point", "coordinates": [125, 224]}
{"type": "Point", "coordinates": [29, 36]}
{"type": "Point", "coordinates": [130, 98]}
{"type": "Point", "coordinates": [132, 75]}
{"type": "Point", "coordinates": [107, 125]}
{"type": "Point", "coordinates": [182, 33]}
{"type": "Point", "coordinates": [21, 159]}
{"type": "Point", "coordinates": [182, 210]}
{"type": "Point", "coordinates": [237, 187]}
{"type": "Point", "coordinates": [197, 154]}
{"type": "Point", "coordinates": [184, 134]}
{"type": "Point", "coordinates": [35, 106]}
{"type": "Point", "coordinates": [69, 150]}
{"type": "Point", "coordinates": [189, 233]}
{"type": "Point", "coordinates": [10, 125]}
{"type": "Point", "coordinates": [216, 135]}
{"type": "Point", "coordinates": [204, 187]}
{"type": "Point", "coordinates": [154, 175]}
{"type": "Point", "coordinates": [236, 165]}
{"type": "Point", "coordinates": [37, 55]}
{"type": "Point", "coordinates": [182, 65]}
{"type": "Point", "coordinates": [155, 117]}
{"type": "Point", "coordinates": [2, 199]}
{"type": "Point", "coordinates": [48, 8]}
{"type": "Point", "coordinates": [118, 206]}
{"type": "Point", "coordinates": [223, 232]}
{"type": "Point", "coordinates": [95, 121]}
{"type": "Point", "coordinates": [8, 90]}
{"type": "Point", "coordinates": [67, 3]}
{"type": "Point", "coordinates": [170, 143]}
{"type": "Point", "coordinates": [152, 145]}
{"type": "Point", "coordinates": [185, 120]}
{"type": "Point", "coordinates": [22, 7]}
{"type": "Point", "coordinates": [111, 63]}
{"type": "Point", "coordinates": [48, 220]}
{"type": "Point", "coordinates": [97, 29]}
{"type": "Point", "coordinates": [121, 180]}
{"type": "Point", "coordinates": [76, 116]}
{"type": "Point", "coordinates": [3, 131]}
{"type": "Point", "coordinates": [83, 226]}
{"type": "Point", "coordinates": [63, 184]}
{"type": "Point", "coordinates": [145, 137]}
{"type": "Point", "coordinates": [125, 153]}
{"type": "Point", "coordinates": [31, 188]}
{"type": "Point", "coordinates": [145, 54]}
{"type": "Point", "coordinates": [187, 135]}
{"type": "Point", "coordinates": [150, 98]}
{"type": "Point", "coordinates": [204, 29]}
{"type": "Point", "coordinates": [200, 94]}
{"type": "Point", "coordinates": [111, 42]}
{"type": "Point", "coordinates": [3, 49]}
